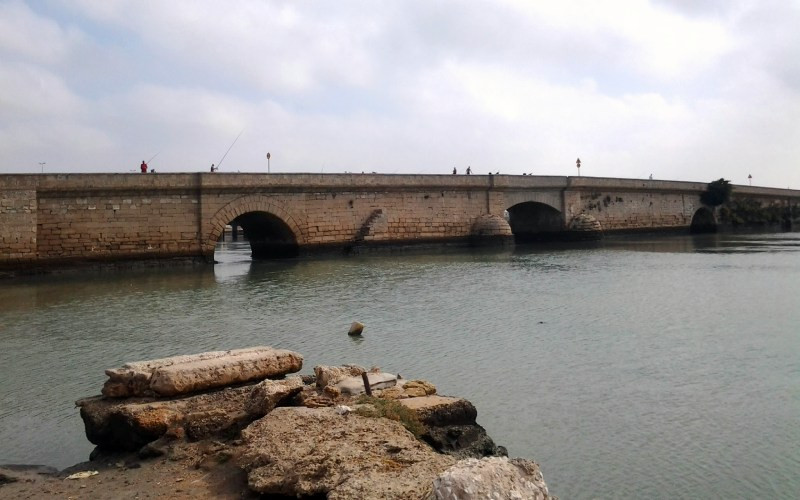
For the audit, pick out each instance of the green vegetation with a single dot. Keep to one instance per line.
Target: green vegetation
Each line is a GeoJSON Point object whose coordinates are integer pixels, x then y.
{"type": "Point", "coordinates": [747, 211]}
{"type": "Point", "coordinates": [717, 193]}
{"type": "Point", "coordinates": [391, 409]}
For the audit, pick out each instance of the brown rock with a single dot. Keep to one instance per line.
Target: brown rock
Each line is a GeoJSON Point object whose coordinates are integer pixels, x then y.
{"type": "Point", "coordinates": [304, 451]}
{"type": "Point", "coordinates": [451, 427]}
{"type": "Point", "coordinates": [418, 388]}
{"type": "Point", "coordinates": [356, 328]}
{"type": "Point", "coordinates": [442, 410]}
{"type": "Point", "coordinates": [268, 394]}
{"type": "Point", "coordinates": [131, 423]}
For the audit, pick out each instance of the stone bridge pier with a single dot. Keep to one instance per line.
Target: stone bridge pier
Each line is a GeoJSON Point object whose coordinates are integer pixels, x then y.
{"type": "Point", "coordinates": [62, 219]}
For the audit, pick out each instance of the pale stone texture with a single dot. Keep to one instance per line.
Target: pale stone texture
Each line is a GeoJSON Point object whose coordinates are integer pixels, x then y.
{"type": "Point", "coordinates": [186, 374]}
{"type": "Point", "coordinates": [48, 219]}
{"type": "Point", "coordinates": [317, 451]}
{"type": "Point", "coordinates": [330, 375]}
{"type": "Point", "coordinates": [355, 385]}
{"type": "Point", "coordinates": [491, 478]}
{"type": "Point", "coordinates": [267, 394]}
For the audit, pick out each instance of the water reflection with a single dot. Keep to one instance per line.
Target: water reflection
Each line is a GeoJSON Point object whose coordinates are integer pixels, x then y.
{"type": "Point", "coordinates": [31, 293]}
{"type": "Point", "coordinates": [618, 365]}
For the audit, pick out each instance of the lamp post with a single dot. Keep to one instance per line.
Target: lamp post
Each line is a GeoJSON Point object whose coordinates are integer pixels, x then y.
{"type": "Point", "coordinates": [750, 179]}
{"type": "Point", "coordinates": [268, 157]}
{"type": "Point", "coordinates": [42, 164]}
{"type": "Point", "coordinates": [578, 164]}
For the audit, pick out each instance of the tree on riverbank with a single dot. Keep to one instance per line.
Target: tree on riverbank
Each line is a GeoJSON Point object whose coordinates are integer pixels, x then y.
{"type": "Point", "coordinates": [717, 193]}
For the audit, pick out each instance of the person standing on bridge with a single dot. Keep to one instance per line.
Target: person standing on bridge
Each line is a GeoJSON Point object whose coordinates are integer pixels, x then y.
{"type": "Point", "coordinates": [143, 167]}
{"type": "Point", "coordinates": [469, 170]}
{"type": "Point", "coordinates": [454, 171]}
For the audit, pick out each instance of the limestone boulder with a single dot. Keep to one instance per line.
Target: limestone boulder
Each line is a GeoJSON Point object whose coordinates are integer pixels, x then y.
{"type": "Point", "coordinates": [491, 477]}
{"type": "Point", "coordinates": [129, 424]}
{"type": "Point", "coordinates": [355, 385]}
{"type": "Point", "coordinates": [330, 375]}
{"type": "Point", "coordinates": [298, 451]}
{"type": "Point", "coordinates": [451, 427]}
{"type": "Point", "coordinates": [267, 394]}
{"type": "Point", "coordinates": [418, 388]}
{"type": "Point", "coordinates": [187, 374]}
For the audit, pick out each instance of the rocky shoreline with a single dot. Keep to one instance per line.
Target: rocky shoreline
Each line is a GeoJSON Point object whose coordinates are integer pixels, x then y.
{"type": "Point", "coordinates": [238, 424]}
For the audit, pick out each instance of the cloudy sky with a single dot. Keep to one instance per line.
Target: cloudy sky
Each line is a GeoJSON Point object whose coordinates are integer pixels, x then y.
{"type": "Point", "coordinates": [680, 89]}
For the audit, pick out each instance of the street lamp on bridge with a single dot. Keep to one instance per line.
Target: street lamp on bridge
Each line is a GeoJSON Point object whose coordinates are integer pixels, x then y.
{"type": "Point", "coordinates": [750, 179]}
{"type": "Point", "coordinates": [578, 164]}
{"type": "Point", "coordinates": [268, 157]}
{"type": "Point", "coordinates": [42, 164]}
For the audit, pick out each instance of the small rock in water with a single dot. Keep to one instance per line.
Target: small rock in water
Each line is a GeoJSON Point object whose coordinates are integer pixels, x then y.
{"type": "Point", "coordinates": [356, 328]}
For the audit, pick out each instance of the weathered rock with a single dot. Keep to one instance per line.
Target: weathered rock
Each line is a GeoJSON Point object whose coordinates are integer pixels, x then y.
{"type": "Point", "coordinates": [330, 375]}
{"type": "Point", "coordinates": [493, 477]}
{"type": "Point", "coordinates": [186, 374]}
{"type": "Point", "coordinates": [268, 394]}
{"type": "Point", "coordinates": [418, 388]}
{"type": "Point", "coordinates": [355, 385]}
{"type": "Point", "coordinates": [442, 410]}
{"type": "Point", "coordinates": [299, 451]}
{"type": "Point", "coordinates": [451, 427]}
{"type": "Point", "coordinates": [131, 423]}
{"type": "Point", "coordinates": [395, 392]}
{"type": "Point", "coordinates": [356, 328]}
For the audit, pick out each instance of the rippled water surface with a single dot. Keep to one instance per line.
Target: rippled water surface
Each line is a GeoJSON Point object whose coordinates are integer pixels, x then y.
{"type": "Point", "coordinates": [637, 368]}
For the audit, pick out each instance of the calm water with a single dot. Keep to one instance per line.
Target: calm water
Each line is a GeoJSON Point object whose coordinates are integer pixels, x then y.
{"type": "Point", "coordinates": [642, 368]}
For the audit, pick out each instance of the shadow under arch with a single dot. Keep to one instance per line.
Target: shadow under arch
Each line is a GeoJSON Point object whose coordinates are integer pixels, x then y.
{"type": "Point", "coordinates": [703, 221]}
{"type": "Point", "coordinates": [532, 221]}
{"type": "Point", "coordinates": [269, 236]}
{"type": "Point", "coordinates": [271, 230]}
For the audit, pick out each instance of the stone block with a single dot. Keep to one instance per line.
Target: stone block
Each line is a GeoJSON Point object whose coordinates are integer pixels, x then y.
{"type": "Point", "coordinates": [185, 374]}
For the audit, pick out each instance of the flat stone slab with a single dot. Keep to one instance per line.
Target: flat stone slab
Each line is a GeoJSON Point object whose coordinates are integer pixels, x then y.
{"type": "Point", "coordinates": [197, 372]}
{"type": "Point", "coordinates": [442, 410]}
{"type": "Point", "coordinates": [355, 385]}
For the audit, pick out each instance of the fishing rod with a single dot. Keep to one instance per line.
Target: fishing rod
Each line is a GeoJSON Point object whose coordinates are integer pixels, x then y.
{"type": "Point", "coordinates": [226, 152]}
{"type": "Point", "coordinates": [151, 159]}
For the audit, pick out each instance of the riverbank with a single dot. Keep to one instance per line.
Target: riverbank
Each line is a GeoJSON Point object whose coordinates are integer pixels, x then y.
{"type": "Point", "coordinates": [232, 424]}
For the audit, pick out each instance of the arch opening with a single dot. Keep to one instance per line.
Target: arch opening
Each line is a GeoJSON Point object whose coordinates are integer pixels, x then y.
{"type": "Point", "coordinates": [703, 221]}
{"type": "Point", "coordinates": [533, 221]}
{"type": "Point", "coordinates": [269, 236]}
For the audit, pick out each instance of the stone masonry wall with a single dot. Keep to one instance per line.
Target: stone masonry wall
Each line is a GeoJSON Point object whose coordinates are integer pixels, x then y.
{"type": "Point", "coordinates": [630, 210]}
{"type": "Point", "coordinates": [17, 225]}
{"type": "Point", "coordinates": [336, 218]}
{"type": "Point", "coordinates": [117, 224]}
{"type": "Point", "coordinates": [50, 218]}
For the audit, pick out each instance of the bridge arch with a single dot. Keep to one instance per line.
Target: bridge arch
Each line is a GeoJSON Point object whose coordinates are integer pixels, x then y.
{"type": "Point", "coordinates": [703, 221]}
{"type": "Point", "coordinates": [268, 226]}
{"type": "Point", "coordinates": [535, 221]}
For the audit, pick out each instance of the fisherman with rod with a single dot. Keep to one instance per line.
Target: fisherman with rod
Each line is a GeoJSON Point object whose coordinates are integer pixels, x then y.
{"type": "Point", "coordinates": [215, 169]}
{"type": "Point", "coordinates": [144, 164]}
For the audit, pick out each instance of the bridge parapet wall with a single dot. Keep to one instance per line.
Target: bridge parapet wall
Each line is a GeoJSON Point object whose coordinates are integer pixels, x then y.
{"type": "Point", "coordinates": [48, 218]}
{"type": "Point", "coordinates": [18, 217]}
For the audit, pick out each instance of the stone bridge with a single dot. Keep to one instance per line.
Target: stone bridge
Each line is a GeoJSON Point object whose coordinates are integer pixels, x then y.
{"type": "Point", "coordinates": [53, 219]}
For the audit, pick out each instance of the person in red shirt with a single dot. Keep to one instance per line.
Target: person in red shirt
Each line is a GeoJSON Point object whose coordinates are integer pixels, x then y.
{"type": "Point", "coordinates": [144, 167]}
